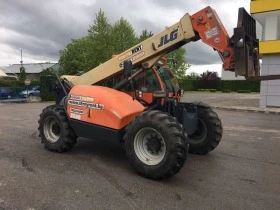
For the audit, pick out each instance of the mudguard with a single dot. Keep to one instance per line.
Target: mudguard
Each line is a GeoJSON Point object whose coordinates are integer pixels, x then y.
{"type": "Point", "coordinates": [102, 106]}
{"type": "Point", "coordinates": [186, 114]}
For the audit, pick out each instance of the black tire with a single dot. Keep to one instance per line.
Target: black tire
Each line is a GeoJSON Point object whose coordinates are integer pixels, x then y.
{"type": "Point", "coordinates": [209, 133]}
{"type": "Point", "coordinates": [58, 137]}
{"type": "Point", "coordinates": [173, 136]}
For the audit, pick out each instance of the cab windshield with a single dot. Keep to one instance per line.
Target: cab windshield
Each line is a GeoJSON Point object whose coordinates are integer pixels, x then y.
{"type": "Point", "coordinates": [168, 79]}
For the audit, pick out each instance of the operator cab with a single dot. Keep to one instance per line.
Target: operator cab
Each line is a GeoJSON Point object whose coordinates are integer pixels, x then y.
{"type": "Point", "coordinates": [151, 82]}
{"type": "Point", "coordinates": [147, 84]}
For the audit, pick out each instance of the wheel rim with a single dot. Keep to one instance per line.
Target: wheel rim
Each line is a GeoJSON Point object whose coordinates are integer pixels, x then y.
{"type": "Point", "coordinates": [149, 146]}
{"type": "Point", "coordinates": [200, 134]}
{"type": "Point", "coordinates": [51, 129]}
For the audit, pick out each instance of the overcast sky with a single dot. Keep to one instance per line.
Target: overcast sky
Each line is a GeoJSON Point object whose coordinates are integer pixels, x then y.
{"type": "Point", "coordinates": [43, 27]}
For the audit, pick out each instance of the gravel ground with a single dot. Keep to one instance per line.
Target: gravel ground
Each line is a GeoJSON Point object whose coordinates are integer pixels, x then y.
{"type": "Point", "coordinates": [241, 173]}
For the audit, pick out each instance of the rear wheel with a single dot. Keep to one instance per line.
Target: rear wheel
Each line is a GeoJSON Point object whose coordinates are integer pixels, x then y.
{"type": "Point", "coordinates": [209, 132]}
{"type": "Point", "coordinates": [155, 144]}
{"type": "Point", "coordinates": [55, 132]}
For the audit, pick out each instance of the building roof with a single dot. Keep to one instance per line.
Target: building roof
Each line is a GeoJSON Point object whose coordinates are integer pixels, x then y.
{"type": "Point", "coordinates": [4, 76]}
{"type": "Point", "coordinates": [31, 68]}
{"type": "Point", "coordinates": [2, 73]}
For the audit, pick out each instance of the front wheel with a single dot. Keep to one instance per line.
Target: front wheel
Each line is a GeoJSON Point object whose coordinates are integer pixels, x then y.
{"type": "Point", "coordinates": [55, 131]}
{"type": "Point", "coordinates": [155, 145]}
{"type": "Point", "coordinates": [209, 132]}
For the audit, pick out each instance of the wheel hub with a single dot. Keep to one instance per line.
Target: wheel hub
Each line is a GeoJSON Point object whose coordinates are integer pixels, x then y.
{"type": "Point", "coordinates": [154, 144]}
{"type": "Point", "coordinates": [149, 146]}
{"type": "Point", "coordinates": [56, 129]}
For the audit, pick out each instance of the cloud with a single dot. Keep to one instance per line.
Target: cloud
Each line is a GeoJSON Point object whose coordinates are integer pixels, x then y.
{"type": "Point", "coordinates": [42, 28]}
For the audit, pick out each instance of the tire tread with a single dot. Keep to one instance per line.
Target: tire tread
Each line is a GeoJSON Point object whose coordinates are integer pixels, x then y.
{"type": "Point", "coordinates": [68, 140]}
{"type": "Point", "coordinates": [179, 146]}
{"type": "Point", "coordinates": [217, 131]}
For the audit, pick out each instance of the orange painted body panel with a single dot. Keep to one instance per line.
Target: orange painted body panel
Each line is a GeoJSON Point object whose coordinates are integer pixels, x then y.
{"type": "Point", "coordinates": [213, 33]}
{"type": "Point", "coordinates": [102, 106]}
{"type": "Point", "coordinates": [148, 97]}
{"type": "Point", "coordinates": [210, 28]}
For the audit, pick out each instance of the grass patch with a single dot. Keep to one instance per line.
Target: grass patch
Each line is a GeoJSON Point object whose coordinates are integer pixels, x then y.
{"type": "Point", "coordinates": [207, 90]}
{"type": "Point", "coordinates": [243, 91]}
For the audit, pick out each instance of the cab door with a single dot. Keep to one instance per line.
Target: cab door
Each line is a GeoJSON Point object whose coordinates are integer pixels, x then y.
{"type": "Point", "coordinates": [145, 84]}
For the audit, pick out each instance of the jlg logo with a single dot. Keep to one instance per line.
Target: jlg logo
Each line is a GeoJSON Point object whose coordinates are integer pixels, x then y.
{"type": "Point", "coordinates": [164, 39]}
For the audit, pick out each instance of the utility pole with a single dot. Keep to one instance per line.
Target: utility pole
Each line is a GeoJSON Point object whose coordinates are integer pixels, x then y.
{"type": "Point", "coordinates": [26, 81]}
{"type": "Point", "coordinates": [21, 57]}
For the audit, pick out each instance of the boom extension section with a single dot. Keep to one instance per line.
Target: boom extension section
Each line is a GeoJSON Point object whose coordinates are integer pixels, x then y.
{"type": "Point", "coordinates": [238, 53]}
{"type": "Point", "coordinates": [144, 54]}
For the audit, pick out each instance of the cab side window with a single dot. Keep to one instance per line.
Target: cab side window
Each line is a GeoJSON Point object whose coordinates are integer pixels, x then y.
{"type": "Point", "coordinates": [110, 82]}
{"type": "Point", "coordinates": [145, 81]}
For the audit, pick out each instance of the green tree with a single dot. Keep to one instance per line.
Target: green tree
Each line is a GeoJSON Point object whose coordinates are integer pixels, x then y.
{"type": "Point", "coordinates": [84, 54]}
{"type": "Point", "coordinates": [178, 63]}
{"type": "Point", "coordinates": [193, 76]}
{"type": "Point", "coordinates": [75, 57]}
{"type": "Point", "coordinates": [48, 72]}
{"type": "Point", "coordinates": [145, 35]}
{"type": "Point", "coordinates": [209, 75]}
{"type": "Point", "coordinates": [123, 36]}
{"type": "Point", "coordinates": [100, 26]}
{"type": "Point", "coordinates": [100, 39]}
{"type": "Point", "coordinates": [22, 74]}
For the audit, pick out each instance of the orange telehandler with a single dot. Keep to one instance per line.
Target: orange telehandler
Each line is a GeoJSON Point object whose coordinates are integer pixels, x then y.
{"type": "Point", "coordinates": [135, 98]}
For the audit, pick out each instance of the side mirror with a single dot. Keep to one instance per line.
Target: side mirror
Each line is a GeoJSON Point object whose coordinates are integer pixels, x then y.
{"type": "Point", "coordinates": [180, 92]}
{"type": "Point", "coordinates": [50, 83]}
{"type": "Point", "coordinates": [174, 62]}
{"type": "Point", "coordinates": [127, 65]}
